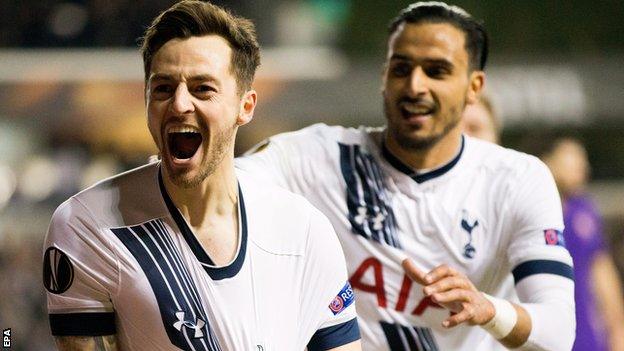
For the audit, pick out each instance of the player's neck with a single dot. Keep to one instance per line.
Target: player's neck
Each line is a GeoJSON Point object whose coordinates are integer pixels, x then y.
{"type": "Point", "coordinates": [436, 156]}
{"type": "Point", "coordinates": [216, 196]}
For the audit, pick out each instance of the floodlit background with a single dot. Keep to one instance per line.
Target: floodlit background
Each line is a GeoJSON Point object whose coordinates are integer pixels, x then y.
{"type": "Point", "coordinates": [72, 109]}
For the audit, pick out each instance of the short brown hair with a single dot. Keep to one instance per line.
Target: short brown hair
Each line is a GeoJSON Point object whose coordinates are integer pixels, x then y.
{"type": "Point", "coordinates": [190, 18]}
{"type": "Point", "coordinates": [439, 12]}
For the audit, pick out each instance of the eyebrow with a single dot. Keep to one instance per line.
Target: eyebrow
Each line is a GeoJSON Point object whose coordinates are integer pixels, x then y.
{"type": "Point", "coordinates": [195, 78]}
{"type": "Point", "coordinates": [439, 62]}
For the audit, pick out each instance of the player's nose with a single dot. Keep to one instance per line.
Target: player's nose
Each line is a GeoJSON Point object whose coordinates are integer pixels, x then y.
{"type": "Point", "coordinates": [417, 84]}
{"type": "Point", "coordinates": [182, 101]}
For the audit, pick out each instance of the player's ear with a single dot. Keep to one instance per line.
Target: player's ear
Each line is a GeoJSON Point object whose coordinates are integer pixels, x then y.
{"type": "Point", "coordinates": [477, 81]}
{"type": "Point", "coordinates": [247, 107]}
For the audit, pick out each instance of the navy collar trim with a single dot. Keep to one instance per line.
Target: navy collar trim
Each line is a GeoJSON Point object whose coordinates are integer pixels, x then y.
{"type": "Point", "coordinates": [216, 273]}
{"type": "Point", "coordinates": [422, 177]}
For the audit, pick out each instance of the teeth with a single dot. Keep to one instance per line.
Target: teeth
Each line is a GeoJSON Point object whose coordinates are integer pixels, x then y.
{"type": "Point", "coordinates": [183, 129]}
{"type": "Point", "coordinates": [417, 110]}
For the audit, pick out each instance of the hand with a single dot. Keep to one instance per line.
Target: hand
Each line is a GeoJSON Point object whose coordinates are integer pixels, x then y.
{"type": "Point", "coordinates": [453, 291]}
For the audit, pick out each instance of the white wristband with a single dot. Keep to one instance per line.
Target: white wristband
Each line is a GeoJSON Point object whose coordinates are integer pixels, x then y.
{"type": "Point", "coordinates": [504, 320]}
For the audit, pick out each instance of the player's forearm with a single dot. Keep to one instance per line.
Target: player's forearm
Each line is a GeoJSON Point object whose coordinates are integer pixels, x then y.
{"type": "Point", "coordinates": [521, 331]}
{"type": "Point", "coordinates": [86, 343]}
{"type": "Point", "coordinates": [511, 324]}
{"type": "Point", "coordinates": [553, 325]}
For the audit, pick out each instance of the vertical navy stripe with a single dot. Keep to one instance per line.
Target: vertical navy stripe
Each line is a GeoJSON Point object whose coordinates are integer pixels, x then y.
{"type": "Point", "coordinates": [418, 338]}
{"type": "Point", "coordinates": [386, 208]}
{"type": "Point", "coordinates": [353, 198]}
{"type": "Point", "coordinates": [369, 200]}
{"type": "Point", "coordinates": [428, 337]}
{"type": "Point", "coordinates": [174, 253]}
{"type": "Point", "coordinates": [171, 285]}
{"type": "Point", "coordinates": [179, 272]}
{"type": "Point", "coordinates": [392, 336]}
{"type": "Point", "coordinates": [161, 263]}
{"type": "Point", "coordinates": [370, 212]}
{"type": "Point", "coordinates": [411, 342]}
{"type": "Point", "coordinates": [188, 290]}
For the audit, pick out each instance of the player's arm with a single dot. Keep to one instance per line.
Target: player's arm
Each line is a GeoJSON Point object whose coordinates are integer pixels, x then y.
{"type": "Point", "coordinates": [86, 343]}
{"type": "Point", "coordinates": [540, 264]}
{"type": "Point", "coordinates": [80, 275]}
{"type": "Point", "coordinates": [329, 299]}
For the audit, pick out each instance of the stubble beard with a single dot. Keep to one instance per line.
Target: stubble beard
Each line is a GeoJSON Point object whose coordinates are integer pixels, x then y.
{"type": "Point", "coordinates": [416, 143]}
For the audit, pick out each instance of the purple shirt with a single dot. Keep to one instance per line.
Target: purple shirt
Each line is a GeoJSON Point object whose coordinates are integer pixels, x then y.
{"type": "Point", "coordinates": [583, 236]}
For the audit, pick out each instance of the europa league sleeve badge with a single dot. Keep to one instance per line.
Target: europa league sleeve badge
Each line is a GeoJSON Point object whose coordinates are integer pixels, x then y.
{"type": "Point", "coordinates": [58, 273]}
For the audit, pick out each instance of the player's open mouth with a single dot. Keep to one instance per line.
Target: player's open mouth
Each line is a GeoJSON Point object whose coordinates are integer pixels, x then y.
{"type": "Point", "coordinates": [183, 142]}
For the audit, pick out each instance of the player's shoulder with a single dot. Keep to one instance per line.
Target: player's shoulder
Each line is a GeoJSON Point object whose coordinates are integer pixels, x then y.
{"type": "Point", "coordinates": [323, 133]}
{"type": "Point", "coordinates": [279, 220]}
{"type": "Point", "coordinates": [501, 161]}
{"type": "Point", "coordinates": [123, 199]}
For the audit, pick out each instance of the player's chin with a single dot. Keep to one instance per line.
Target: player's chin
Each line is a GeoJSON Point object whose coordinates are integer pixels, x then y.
{"type": "Point", "coordinates": [185, 178]}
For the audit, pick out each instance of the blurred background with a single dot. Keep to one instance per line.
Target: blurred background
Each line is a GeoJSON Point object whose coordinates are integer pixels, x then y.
{"type": "Point", "coordinates": [72, 109]}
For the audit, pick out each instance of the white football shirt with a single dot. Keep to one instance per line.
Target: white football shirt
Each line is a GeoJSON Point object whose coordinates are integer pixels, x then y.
{"type": "Point", "coordinates": [492, 213]}
{"type": "Point", "coordinates": [119, 258]}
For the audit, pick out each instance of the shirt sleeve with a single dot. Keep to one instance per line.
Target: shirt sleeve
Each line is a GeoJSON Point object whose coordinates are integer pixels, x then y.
{"type": "Point", "coordinates": [542, 266]}
{"type": "Point", "coordinates": [328, 306]}
{"type": "Point", "coordinates": [79, 274]}
{"type": "Point", "coordinates": [288, 160]}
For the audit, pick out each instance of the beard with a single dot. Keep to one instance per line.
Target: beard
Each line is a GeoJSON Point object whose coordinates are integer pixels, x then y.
{"type": "Point", "coordinates": [213, 157]}
{"type": "Point", "coordinates": [407, 141]}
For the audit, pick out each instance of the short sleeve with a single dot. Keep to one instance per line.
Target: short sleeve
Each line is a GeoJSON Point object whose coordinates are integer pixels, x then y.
{"type": "Point", "coordinates": [328, 306]}
{"type": "Point", "coordinates": [288, 160]}
{"type": "Point", "coordinates": [537, 245]}
{"type": "Point", "coordinates": [541, 264]}
{"type": "Point", "coordinates": [80, 274]}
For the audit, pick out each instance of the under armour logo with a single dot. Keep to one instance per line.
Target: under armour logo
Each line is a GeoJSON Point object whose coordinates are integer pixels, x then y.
{"type": "Point", "coordinates": [378, 221]}
{"type": "Point", "coordinates": [469, 250]}
{"type": "Point", "coordinates": [361, 216]}
{"type": "Point", "coordinates": [197, 326]}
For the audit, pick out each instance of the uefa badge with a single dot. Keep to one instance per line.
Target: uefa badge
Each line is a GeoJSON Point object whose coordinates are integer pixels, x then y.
{"type": "Point", "coordinates": [336, 305]}
{"type": "Point", "coordinates": [554, 237]}
{"type": "Point", "coordinates": [345, 297]}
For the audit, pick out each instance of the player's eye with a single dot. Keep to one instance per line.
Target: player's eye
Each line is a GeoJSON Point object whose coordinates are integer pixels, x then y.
{"type": "Point", "coordinates": [204, 90]}
{"type": "Point", "coordinates": [401, 69]}
{"type": "Point", "coordinates": [162, 89]}
{"type": "Point", "coordinates": [436, 71]}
